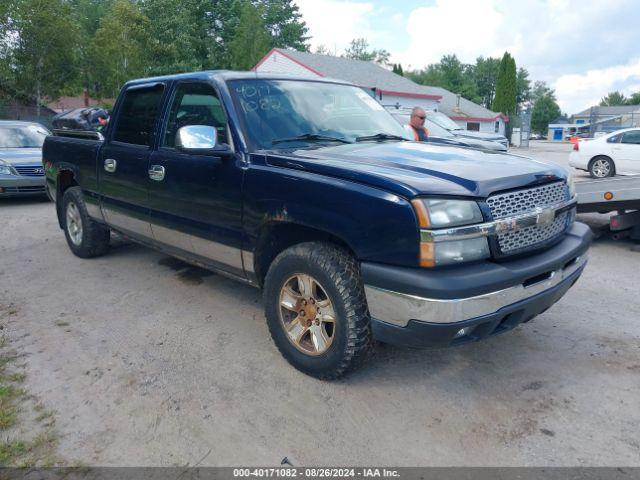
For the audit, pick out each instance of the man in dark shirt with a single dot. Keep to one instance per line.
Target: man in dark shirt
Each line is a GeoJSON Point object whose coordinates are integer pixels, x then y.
{"type": "Point", "coordinates": [416, 125]}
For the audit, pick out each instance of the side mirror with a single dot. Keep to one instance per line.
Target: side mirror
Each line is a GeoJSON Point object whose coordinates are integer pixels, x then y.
{"type": "Point", "coordinates": [201, 140]}
{"type": "Point", "coordinates": [196, 137]}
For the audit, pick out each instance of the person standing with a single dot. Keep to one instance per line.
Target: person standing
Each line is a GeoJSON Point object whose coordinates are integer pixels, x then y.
{"type": "Point", "coordinates": [416, 125]}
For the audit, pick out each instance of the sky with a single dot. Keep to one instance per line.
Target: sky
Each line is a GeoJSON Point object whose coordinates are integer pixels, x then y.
{"type": "Point", "coordinates": [581, 49]}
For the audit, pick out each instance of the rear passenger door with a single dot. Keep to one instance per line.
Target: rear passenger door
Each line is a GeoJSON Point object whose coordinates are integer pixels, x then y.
{"type": "Point", "coordinates": [123, 166]}
{"type": "Point", "coordinates": [196, 206]}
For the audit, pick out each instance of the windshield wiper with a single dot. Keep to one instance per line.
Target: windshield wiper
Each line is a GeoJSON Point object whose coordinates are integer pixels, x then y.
{"type": "Point", "coordinates": [380, 136]}
{"type": "Point", "coordinates": [310, 137]}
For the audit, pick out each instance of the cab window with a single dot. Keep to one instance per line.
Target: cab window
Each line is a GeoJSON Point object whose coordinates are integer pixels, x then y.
{"type": "Point", "coordinates": [137, 118]}
{"type": "Point", "coordinates": [632, 137]}
{"type": "Point", "coordinates": [195, 104]}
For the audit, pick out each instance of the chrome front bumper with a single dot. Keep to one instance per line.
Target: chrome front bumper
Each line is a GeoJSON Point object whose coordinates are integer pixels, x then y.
{"type": "Point", "coordinates": [398, 308]}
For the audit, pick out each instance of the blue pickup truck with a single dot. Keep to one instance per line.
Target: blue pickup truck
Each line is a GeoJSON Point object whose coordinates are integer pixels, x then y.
{"type": "Point", "coordinates": [307, 189]}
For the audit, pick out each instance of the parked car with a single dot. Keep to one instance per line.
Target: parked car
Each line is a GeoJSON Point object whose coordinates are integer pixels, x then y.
{"type": "Point", "coordinates": [616, 153]}
{"type": "Point", "coordinates": [439, 135]}
{"type": "Point", "coordinates": [307, 189]}
{"type": "Point", "coordinates": [445, 122]}
{"type": "Point", "coordinates": [537, 136]}
{"type": "Point", "coordinates": [21, 170]}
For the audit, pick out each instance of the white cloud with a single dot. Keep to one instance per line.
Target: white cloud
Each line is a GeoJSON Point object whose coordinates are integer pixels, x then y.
{"type": "Point", "coordinates": [334, 23]}
{"type": "Point", "coordinates": [464, 27]}
{"type": "Point", "coordinates": [582, 51]}
{"type": "Point", "coordinates": [576, 92]}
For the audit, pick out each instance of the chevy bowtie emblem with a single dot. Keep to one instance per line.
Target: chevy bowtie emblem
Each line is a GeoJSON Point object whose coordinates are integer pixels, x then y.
{"type": "Point", "coordinates": [546, 216]}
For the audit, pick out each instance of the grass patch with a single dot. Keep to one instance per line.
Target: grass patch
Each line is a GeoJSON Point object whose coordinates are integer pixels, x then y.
{"type": "Point", "coordinates": [8, 410]}
{"type": "Point", "coordinates": [36, 448]}
{"type": "Point", "coordinates": [10, 451]}
{"type": "Point", "coordinates": [45, 415]}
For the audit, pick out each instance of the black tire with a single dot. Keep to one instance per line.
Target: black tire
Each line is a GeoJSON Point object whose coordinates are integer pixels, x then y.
{"type": "Point", "coordinates": [93, 239]}
{"type": "Point", "coordinates": [338, 273]}
{"type": "Point", "coordinates": [597, 164]}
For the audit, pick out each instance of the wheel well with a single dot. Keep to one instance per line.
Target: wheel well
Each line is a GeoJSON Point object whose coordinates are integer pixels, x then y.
{"type": "Point", "coordinates": [276, 238]}
{"type": "Point", "coordinates": [66, 179]}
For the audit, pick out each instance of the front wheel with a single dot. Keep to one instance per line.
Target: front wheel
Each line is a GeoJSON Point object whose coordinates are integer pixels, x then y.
{"type": "Point", "coordinates": [86, 237]}
{"type": "Point", "coordinates": [316, 309]}
{"type": "Point", "coordinates": [602, 167]}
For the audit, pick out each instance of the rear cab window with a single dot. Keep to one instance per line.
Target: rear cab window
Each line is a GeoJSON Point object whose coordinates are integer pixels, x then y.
{"type": "Point", "coordinates": [138, 114]}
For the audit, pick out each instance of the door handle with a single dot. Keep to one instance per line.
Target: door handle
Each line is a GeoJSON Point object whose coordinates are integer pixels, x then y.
{"type": "Point", "coordinates": [156, 172]}
{"type": "Point", "coordinates": [110, 165]}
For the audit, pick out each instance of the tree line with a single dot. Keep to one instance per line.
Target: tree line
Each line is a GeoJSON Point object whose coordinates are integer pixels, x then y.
{"type": "Point", "coordinates": [614, 99]}
{"type": "Point", "coordinates": [50, 48]}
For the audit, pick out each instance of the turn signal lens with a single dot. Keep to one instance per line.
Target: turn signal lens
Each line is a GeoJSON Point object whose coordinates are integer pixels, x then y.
{"type": "Point", "coordinates": [608, 195]}
{"type": "Point", "coordinates": [427, 255]}
{"type": "Point", "coordinates": [421, 212]}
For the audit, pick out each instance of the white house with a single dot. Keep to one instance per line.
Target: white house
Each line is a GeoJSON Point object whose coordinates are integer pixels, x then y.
{"type": "Point", "coordinates": [388, 87]}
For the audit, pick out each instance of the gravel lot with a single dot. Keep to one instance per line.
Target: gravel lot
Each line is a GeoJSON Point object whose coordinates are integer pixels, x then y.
{"type": "Point", "coordinates": [149, 361]}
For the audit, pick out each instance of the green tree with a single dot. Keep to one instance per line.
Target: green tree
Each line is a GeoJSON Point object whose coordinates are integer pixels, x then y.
{"type": "Point", "coordinates": [539, 90]}
{"type": "Point", "coordinates": [323, 50]}
{"type": "Point", "coordinates": [485, 77]}
{"type": "Point", "coordinates": [359, 50]}
{"type": "Point", "coordinates": [251, 40]}
{"type": "Point", "coordinates": [545, 110]}
{"type": "Point", "coordinates": [523, 88]}
{"type": "Point", "coordinates": [43, 52]}
{"type": "Point", "coordinates": [613, 99]}
{"type": "Point", "coordinates": [452, 74]}
{"type": "Point", "coordinates": [87, 15]}
{"type": "Point", "coordinates": [506, 89]}
{"type": "Point", "coordinates": [397, 69]}
{"type": "Point", "coordinates": [181, 38]}
{"type": "Point", "coordinates": [283, 21]}
{"type": "Point", "coordinates": [121, 47]}
{"type": "Point", "coordinates": [634, 99]}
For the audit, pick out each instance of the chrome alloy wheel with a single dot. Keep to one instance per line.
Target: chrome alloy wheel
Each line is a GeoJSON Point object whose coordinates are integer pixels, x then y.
{"type": "Point", "coordinates": [307, 314]}
{"type": "Point", "coordinates": [601, 168]}
{"type": "Point", "coordinates": [74, 223]}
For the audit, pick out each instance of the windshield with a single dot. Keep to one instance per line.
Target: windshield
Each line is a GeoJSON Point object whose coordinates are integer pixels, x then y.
{"type": "Point", "coordinates": [275, 112]}
{"type": "Point", "coordinates": [29, 136]}
{"type": "Point", "coordinates": [442, 120]}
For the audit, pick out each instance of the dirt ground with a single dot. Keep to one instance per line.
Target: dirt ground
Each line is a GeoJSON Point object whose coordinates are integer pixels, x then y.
{"type": "Point", "coordinates": [149, 361]}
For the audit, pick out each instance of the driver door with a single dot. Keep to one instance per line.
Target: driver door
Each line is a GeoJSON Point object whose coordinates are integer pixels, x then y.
{"type": "Point", "coordinates": [196, 199]}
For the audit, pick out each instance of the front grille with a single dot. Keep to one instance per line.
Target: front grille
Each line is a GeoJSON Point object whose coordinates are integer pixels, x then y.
{"type": "Point", "coordinates": [30, 170]}
{"type": "Point", "coordinates": [523, 201]}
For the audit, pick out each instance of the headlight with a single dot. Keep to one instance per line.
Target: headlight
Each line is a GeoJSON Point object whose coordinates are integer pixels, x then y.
{"type": "Point", "coordinates": [452, 213]}
{"type": "Point", "coordinates": [434, 214]}
{"type": "Point", "coordinates": [571, 183]}
{"type": "Point", "coordinates": [6, 170]}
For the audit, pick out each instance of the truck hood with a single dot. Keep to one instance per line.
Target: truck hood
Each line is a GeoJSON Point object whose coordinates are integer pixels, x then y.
{"type": "Point", "coordinates": [21, 156]}
{"type": "Point", "coordinates": [410, 168]}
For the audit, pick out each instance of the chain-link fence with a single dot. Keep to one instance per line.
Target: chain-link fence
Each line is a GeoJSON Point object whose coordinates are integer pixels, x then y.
{"type": "Point", "coordinates": [27, 113]}
{"type": "Point", "coordinates": [610, 123]}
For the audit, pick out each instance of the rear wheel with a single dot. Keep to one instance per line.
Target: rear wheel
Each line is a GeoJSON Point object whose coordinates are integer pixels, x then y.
{"type": "Point", "coordinates": [602, 167]}
{"type": "Point", "coordinates": [316, 309]}
{"type": "Point", "coordinates": [86, 237]}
